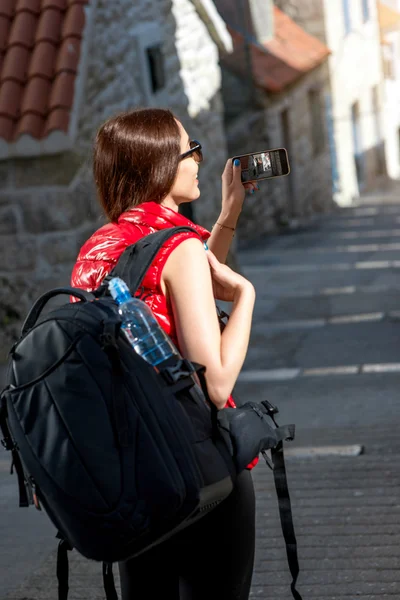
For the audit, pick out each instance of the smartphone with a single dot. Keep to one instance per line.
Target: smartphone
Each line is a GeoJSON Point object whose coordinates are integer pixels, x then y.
{"type": "Point", "coordinates": [264, 165]}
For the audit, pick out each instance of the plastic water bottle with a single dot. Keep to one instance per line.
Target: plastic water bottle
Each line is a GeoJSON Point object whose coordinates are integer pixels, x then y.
{"type": "Point", "coordinates": [140, 327]}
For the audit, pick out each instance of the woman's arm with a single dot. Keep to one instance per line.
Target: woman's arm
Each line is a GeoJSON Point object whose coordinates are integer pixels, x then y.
{"type": "Point", "coordinates": [233, 193]}
{"type": "Point", "coordinates": [221, 237]}
{"type": "Point", "coordinates": [189, 284]}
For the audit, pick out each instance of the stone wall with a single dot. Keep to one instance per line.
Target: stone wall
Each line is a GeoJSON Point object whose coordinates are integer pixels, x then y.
{"type": "Point", "coordinates": [42, 230]}
{"type": "Point", "coordinates": [48, 205]}
{"type": "Point", "coordinates": [308, 188]}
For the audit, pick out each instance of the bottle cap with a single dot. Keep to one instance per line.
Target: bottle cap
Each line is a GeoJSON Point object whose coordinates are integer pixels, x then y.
{"type": "Point", "coordinates": [119, 290]}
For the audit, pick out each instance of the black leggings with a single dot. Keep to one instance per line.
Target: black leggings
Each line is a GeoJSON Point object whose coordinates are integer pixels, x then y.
{"type": "Point", "coordinates": [210, 560]}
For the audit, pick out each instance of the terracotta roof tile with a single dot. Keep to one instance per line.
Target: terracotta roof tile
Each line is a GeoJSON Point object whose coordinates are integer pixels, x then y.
{"type": "Point", "coordinates": [61, 5]}
{"type": "Point", "coordinates": [23, 29]}
{"type": "Point", "coordinates": [5, 26]}
{"type": "Point", "coordinates": [49, 26]}
{"type": "Point", "coordinates": [6, 128]}
{"type": "Point", "coordinates": [57, 121]}
{"type": "Point", "coordinates": [40, 48]}
{"type": "Point", "coordinates": [15, 65]}
{"type": "Point", "coordinates": [68, 56]}
{"type": "Point", "coordinates": [74, 21]}
{"type": "Point", "coordinates": [43, 60]}
{"type": "Point", "coordinates": [281, 61]}
{"type": "Point", "coordinates": [62, 94]}
{"type": "Point", "coordinates": [32, 6]}
{"type": "Point", "coordinates": [10, 98]}
{"type": "Point", "coordinates": [30, 124]}
{"type": "Point", "coordinates": [36, 97]}
{"type": "Point", "coordinates": [7, 8]}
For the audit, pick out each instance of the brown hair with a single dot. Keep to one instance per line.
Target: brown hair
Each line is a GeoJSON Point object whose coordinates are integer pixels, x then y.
{"type": "Point", "coordinates": [136, 157]}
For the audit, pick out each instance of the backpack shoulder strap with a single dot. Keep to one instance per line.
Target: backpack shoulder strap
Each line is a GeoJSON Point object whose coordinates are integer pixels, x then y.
{"type": "Point", "coordinates": [136, 259]}
{"type": "Point", "coordinates": [285, 513]}
{"type": "Point", "coordinates": [9, 444]}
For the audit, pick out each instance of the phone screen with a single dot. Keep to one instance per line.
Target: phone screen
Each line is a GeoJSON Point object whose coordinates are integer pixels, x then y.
{"type": "Point", "coordinates": [264, 165]}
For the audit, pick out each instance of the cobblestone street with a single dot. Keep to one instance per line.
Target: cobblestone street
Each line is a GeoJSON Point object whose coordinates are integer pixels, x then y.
{"type": "Point", "coordinates": [325, 349]}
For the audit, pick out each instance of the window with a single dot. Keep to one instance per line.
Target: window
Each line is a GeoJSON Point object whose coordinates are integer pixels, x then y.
{"type": "Point", "coordinates": [398, 138]}
{"type": "Point", "coordinates": [365, 10]}
{"type": "Point", "coordinates": [355, 122]}
{"type": "Point", "coordinates": [389, 60]}
{"type": "Point", "coordinates": [375, 111]}
{"type": "Point", "coordinates": [281, 212]}
{"type": "Point", "coordinates": [379, 146]}
{"type": "Point", "coordinates": [332, 144]}
{"type": "Point", "coordinates": [346, 16]}
{"type": "Point", "coordinates": [148, 39]}
{"type": "Point", "coordinates": [155, 60]}
{"type": "Point", "coordinates": [357, 144]}
{"type": "Point", "coordinates": [317, 122]}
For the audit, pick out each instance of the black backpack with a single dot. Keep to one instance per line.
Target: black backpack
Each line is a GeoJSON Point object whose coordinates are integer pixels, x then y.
{"type": "Point", "coordinates": [120, 456]}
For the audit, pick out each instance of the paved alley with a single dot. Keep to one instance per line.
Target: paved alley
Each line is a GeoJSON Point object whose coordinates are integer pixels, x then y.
{"type": "Point", "coordinates": [325, 348]}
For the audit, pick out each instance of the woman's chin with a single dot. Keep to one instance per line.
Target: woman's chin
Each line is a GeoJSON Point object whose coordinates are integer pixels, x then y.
{"type": "Point", "coordinates": [191, 198]}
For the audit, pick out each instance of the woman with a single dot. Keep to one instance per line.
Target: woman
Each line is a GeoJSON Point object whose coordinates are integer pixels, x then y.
{"type": "Point", "coordinates": [145, 166]}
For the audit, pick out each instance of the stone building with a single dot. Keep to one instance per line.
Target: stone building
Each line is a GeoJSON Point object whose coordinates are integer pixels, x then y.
{"type": "Point", "coordinates": [65, 66]}
{"type": "Point", "coordinates": [274, 88]}
{"type": "Point", "coordinates": [350, 28]}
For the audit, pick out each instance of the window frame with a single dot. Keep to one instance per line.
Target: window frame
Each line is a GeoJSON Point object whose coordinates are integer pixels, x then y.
{"type": "Point", "coordinates": [154, 53]}
{"type": "Point", "coordinates": [346, 16]}
{"type": "Point", "coordinates": [365, 10]}
{"type": "Point", "coordinates": [147, 36]}
{"type": "Point", "coordinates": [316, 110]}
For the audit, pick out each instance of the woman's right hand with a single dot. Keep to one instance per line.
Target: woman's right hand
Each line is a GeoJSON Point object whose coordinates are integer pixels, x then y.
{"type": "Point", "coordinates": [227, 284]}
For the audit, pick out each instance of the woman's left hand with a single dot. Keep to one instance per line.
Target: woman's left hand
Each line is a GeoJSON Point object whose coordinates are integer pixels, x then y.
{"type": "Point", "coordinates": [233, 192]}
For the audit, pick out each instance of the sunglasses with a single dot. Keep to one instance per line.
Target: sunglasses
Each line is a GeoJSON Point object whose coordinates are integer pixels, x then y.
{"type": "Point", "coordinates": [195, 151]}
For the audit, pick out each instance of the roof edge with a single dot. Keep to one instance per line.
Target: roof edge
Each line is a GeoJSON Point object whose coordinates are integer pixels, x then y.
{"type": "Point", "coordinates": [267, 49]}
{"type": "Point", "coordinates": [215, 24]}
{"type": "Point", "coordinates": [388, 18]}
{"type": "Point", "coordinates": [27, 146]}
{"type": "Point", "coordinates": [80, 80]}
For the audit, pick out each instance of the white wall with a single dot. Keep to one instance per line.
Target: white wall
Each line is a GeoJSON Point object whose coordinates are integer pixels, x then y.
{"type": "Point", "coordinates": [392, 115]}
{"type": "Point", "coordinates": [355, 68]}
{"type": "Point", "coordinates": [392, 100]}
